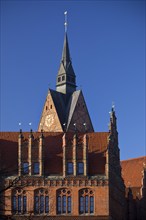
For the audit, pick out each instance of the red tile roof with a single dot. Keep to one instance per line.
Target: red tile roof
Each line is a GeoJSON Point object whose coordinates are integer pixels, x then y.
{"type": "Point", "coordinates": [97, 146]}
{"type": "Point", "coordinates": [132, 171]}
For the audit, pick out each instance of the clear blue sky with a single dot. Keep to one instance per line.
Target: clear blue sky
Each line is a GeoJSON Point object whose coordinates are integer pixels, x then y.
{"type": "Point", "coordinates": [107, 45]}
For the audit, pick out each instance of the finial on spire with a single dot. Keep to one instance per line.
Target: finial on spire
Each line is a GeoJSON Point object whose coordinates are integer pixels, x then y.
{"type": "Point", "coordinates": [113, 106]}
{"type": "Point", "coordinates": [65, 23]}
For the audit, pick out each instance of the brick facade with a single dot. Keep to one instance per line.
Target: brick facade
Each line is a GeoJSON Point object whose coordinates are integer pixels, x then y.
{"type": "Point", "coordinates": [66, 171]}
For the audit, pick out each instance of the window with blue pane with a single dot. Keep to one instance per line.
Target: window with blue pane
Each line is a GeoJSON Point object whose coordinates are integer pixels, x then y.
{"type": "Point", "coordinates": [69, 168]}
{"type": "Point", "coordinates": [64, 201]}
{"type": "Point", "coordinates": [91, 204]}
{"type": "Point", "coordinates": [86, 201]}
{"type": "Point", "coordinates": [69, 204]}
{"type": "Point", "coordinates": [80, 168]}
{"type": "Point", "coordinates": [41, 201]}
{"type": "Point", "coordinates": [19, 201]}
{"type": "Point", "coordinates": [36, 168]}
{"type": "Point", "coordinates": [25, 168]}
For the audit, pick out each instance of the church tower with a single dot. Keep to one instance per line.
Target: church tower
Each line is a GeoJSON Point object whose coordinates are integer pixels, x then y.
{"type": "Point", "coordinates": [65, 108]}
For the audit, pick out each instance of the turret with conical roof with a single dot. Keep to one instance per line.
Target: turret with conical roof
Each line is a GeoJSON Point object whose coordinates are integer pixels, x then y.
{"type": "Point", "coordinates": [66, 79]}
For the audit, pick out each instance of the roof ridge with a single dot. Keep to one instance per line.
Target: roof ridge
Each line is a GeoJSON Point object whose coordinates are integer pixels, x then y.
{"type": "Point", "coordinates": [136, 158]}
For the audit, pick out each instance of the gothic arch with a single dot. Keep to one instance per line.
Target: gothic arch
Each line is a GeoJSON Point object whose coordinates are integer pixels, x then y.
{"type": "Point", "coordinates": [86, 201]}
{"type": "Point", "coordinates": [41, 201]}
{"type": "Point", "coordinates": [19, 201]}
{"type": "Point", "coordinates": [64, 201]}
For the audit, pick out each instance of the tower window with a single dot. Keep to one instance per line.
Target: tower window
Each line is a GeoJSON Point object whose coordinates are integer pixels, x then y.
{"type": "Point", "coordinates": [63, 78]}
{"type": "Point", "coordinates": [64, 201]}
{"type": "Point", "coordinates": [59, 79]}
{"type": "Point", "coordinates": [80, 168]}
{"type": "Point", "coordinates": [86, 201]}
{"type": "Point", "coordinates": [46, 108]}
{"type": "Point", "coordinates": [36, 168]}
{"type": "Point", "coordinates": [25, 168]}
{"type": "Point", "coordinates": [50, 106]}
{"type": "Point", "coordinates": [69, 168]}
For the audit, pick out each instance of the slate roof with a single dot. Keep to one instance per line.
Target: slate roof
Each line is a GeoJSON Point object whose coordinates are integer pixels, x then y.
{"type": "Point", "coordinates": [59, 102]}
{"type": "Point", "coordinates": [66, 107]}
{"type": "Point", "coordinates": [66, 65]}
{"type": "Point", "coordinates": [71, 106]}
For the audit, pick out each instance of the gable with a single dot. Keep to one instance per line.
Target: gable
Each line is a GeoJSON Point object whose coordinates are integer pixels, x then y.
{"type": "Point", "coordinates": [78, 114]}
{"type": "Point", "coordinates": [50, 120]}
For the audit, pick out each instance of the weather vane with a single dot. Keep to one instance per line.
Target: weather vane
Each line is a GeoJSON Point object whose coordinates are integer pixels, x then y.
{"type": "Point", "coordinates": [65, 23]}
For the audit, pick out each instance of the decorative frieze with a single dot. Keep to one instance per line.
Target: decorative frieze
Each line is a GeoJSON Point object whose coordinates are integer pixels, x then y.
{"type": "Point", "coordinates": [82, 182]}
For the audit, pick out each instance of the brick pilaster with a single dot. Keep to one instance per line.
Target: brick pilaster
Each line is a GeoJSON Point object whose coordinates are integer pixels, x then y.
{"type": "Point", "coordinates": [41, 150]}
{"type": "Point", "coordinates": [20, 139]}
{"type": "Point", "coordinates": [64, 154]}
{"type": "Point", "coordinates": [85, 155]}
{"type": "Point", "coordinates": [75, 155]}
{"type": "Point", "coordinates": [29, 152]}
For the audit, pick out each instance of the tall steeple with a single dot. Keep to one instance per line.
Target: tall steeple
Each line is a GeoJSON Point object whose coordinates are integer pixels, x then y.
{"type": "Point", "coordinates": [66, 79]}
{"type": "Point", "coordinates": [65, 107]}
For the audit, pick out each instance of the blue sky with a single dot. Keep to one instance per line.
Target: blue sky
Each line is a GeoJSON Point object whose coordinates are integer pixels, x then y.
{"type": "Point", "coordinates": [107, 45]}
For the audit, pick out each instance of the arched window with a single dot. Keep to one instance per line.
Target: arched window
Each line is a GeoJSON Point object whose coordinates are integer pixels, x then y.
{"type": "Point", "coordinates": [41, 201]}
{"type": "Point", "coordinates": [64, 201]}
{"type": "Point", "coordinates": [86, 201]}
{"type": "Point", "coordinates": [19, 201]}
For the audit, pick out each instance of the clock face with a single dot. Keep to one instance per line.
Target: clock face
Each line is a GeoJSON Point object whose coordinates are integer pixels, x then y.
{"type": "Point", "coordinates": [49, 120]}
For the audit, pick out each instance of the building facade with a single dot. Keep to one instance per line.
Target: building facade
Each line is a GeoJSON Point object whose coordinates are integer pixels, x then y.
{"type": "Point", "coordinates": [65, 170]}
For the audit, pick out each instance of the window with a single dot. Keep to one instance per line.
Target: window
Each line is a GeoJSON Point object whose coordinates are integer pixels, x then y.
{"type": "Point", "coordinates": [69, 168]}
{"type": "Point", "coordinates": [36, 168]}
{"type": "Point", "coordinates": [80, 168]}
{"type": "Point", "coordinates": [64, 201]}
{"type": "Point", "coordinates": [63, 78]}
{"type": "Point", "coordinates": [41, 201]}
{"type": "Point", "coordinates": [86, 201]}
{"type": "Point", "coordinates": [19, 201]}
{"type": "Point", "coordinates": [59, 79]}
{"type": "Point", "coordinates": [25, 168]}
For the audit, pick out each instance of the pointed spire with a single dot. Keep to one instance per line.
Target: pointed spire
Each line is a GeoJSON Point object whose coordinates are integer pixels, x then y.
{"type": "Point", "coordinates": [65, 53]}
{"type": "Point", "coordinates": [66, 79]}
